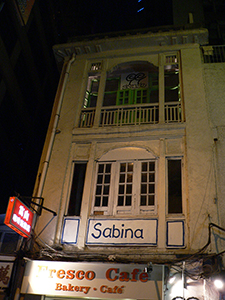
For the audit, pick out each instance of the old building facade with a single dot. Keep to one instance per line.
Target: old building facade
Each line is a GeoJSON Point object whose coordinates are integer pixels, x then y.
{"type": "Point", "coordinates": [130, 167]}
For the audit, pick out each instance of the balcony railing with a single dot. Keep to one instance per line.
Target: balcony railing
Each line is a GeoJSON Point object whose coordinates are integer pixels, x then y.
{"type": "Point", "coordinates": [213, 54]}
{"type": "Point", "coordinates": [87, 117]}
{"type": "Point", "coordinates": [132, 115]}
{"type": "Point", "coordinates": [129, 115]}
{"type": "Point", "coordinates": [173, 112]}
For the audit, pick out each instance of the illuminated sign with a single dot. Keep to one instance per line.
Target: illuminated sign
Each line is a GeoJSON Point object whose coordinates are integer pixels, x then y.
{"type": "Point", "coordinates": [92, 280]}
{"type": "Point", "coordinates": [19, 217]}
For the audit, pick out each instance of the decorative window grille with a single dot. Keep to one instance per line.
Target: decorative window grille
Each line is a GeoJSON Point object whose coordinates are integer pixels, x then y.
{"type": "Point", "coordinates": [171, 59]}
{"type": "Point", "coordinates": [96, 66]}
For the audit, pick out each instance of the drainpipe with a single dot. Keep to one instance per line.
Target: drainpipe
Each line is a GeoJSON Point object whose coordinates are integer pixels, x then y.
{"type": "Point", "coordinates": [53, 133]}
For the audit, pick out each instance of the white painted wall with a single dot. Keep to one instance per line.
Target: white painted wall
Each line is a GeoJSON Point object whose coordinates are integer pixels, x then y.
{"type": "Point", "coordinates": [193, 141]}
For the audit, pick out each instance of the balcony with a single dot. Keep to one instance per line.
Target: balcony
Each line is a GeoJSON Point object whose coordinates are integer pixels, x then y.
{"type": "Point", "coordinates": [129, 115]}
{"type": "Point", "coordinates": [133, 115]}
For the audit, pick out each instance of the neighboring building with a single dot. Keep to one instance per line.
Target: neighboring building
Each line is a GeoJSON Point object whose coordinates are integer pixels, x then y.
{"type": "Point", "coordinates": [28, 83]}
{"type": "Point", "coordinates": [133, 167]}
{"type": "Point", "coordinates": [10, 243]}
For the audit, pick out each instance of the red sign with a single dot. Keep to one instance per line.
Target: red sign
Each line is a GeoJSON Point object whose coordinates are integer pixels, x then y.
{"type": "Point", "coordinates": [19, 217]}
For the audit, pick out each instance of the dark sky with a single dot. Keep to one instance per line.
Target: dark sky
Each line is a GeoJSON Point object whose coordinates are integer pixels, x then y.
{"type": "Point", "coordinates": [72, 18]}
{"type": "Point", "coordinates": [91, 17]}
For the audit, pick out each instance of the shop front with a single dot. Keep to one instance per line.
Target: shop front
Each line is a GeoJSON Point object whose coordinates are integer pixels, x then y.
{"type": "Point", "coordinates": [61, 280]}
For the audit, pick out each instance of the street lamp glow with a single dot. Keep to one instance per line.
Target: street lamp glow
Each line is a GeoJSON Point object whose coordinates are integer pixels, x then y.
{"type": "Point", "coordinates": [218, 284]}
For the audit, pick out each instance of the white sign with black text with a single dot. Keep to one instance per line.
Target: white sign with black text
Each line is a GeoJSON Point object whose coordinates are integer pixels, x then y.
{"type": "Point", "coordinates": [122, 232]}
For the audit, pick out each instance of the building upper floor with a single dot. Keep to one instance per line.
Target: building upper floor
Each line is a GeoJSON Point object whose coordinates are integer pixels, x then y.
{"type": "Point", "coordinates": [131, 80]}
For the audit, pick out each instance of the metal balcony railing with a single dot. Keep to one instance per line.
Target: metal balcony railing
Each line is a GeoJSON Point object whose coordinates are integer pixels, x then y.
{"type": "Point", "coordinates": [213, 54]}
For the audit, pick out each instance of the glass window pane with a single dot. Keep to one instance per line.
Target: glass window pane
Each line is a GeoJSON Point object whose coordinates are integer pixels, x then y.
{"type": "Point", "coordinates": [120, 200]}
{"type": "Point", "coordinates": [108, 168]}
{"type": "Point", "coordinates": [129, 177]}
{"type": "Point", "coordinates": [151, 200]}
{"type": "Point", "coordinates": [151, 177]}
{"type": "Point", "coordinates": [97, 201]}
{"type": "Point", "coordinates": [121, 189]}
{"type": "Point", "coordinates": [144, 188]}
{"type": "Point", "coordinates": [100, 179]}
{"type": "Point", "coordinates": [143, 200]}
{"type": "Point", "coordinates": [122, 167]}
{"type": "Point", "coordinates": [76, 194]}
{"type": "Point", "coordinates": [128, 201]}
{"type": "Point", "coordinates": [9, 243]}
{"type": "Point", "coordinates": [144, 166]}
{"type": "Point", "coordinates": [130, 167]}
{"type": "Point", "coordinates": [105, 201]}
{"type": "Point", "coordinates": [100, 168]}
{"type": "Point", "coordinates": [174, 187]}
{"type": "Point", "coordinates": [122, 178]}
{"type": "Point", "coordinates": [106, 190]}
{"type": "Point", "coordinates": [107, 178]}
{"type": "Point", "coordinates": [152, 166]}
{"type": "Point", "coordinates": [144, 177]}
{"type": "Point", "coordinates": [129, 189]}
{"type": "Point", "coordinates": [98, 190]}
{"type": "Point", "coordinates": [151, 188]}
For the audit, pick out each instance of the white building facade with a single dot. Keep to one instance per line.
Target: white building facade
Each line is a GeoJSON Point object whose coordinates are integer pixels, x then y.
{"type": "Point", "coordinates": [131, 169]}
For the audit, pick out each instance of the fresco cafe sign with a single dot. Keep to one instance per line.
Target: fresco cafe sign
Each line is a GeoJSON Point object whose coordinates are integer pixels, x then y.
{"type": "Point", "coordinates": [97, 280]}
{"type": "Point", "coordinates": [19, 217]}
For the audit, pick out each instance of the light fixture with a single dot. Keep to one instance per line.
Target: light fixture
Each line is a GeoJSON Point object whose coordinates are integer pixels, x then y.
{"type": "Point", "coordinates": [172, 279]}
{"type": "Point", "coordinates": [149, 268]}
{"type": "Point", "coordinates": [218, 284]}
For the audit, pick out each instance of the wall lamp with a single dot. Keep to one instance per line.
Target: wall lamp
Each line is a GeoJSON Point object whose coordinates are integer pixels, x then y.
{"type": "Point", "coordinates": [219, 280]}
{"type": "Point", "coordinates": [148, 268]}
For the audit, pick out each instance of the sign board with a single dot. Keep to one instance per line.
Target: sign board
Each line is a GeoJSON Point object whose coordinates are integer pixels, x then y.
{"type": "Point", "coordinates": [92, 280]}
{"type": "Point", "coordinates": [19, 217]}
{"type": "Point", "coordinates": [5, 273]}
{"type": "Point", "coordinates": [70, 230]}
{"type": "Point", "coordinates": [134, 80]}
{"type": "Point", "coordinates": [122, 232]}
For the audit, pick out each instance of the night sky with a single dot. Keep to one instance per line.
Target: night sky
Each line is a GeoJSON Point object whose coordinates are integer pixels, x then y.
{"type": "Point", "coordinates": [71, 18]}
{"type": "Point", "coordinates": [91, 17]}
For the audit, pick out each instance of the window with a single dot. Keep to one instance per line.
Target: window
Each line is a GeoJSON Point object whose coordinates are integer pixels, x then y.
{"type": "Point", "coordinates": [132, 83]}
{"type": "Point", "coordinates": [96, 66]}
{"type": "Point", "coordinates": [103, 185]}
{"type": "Point", "coordinates": [125, 187]}
{"type": "Point", "coordinates": [171, 79]}
{"type": "Point", "coordinates": [77, 189]}
{"type": "Point", "coordinates": [9, 242]}
{"type": "Point", "coordinates": [174, 186]}
{"type": "Point", "coordinates": [91, 94]}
